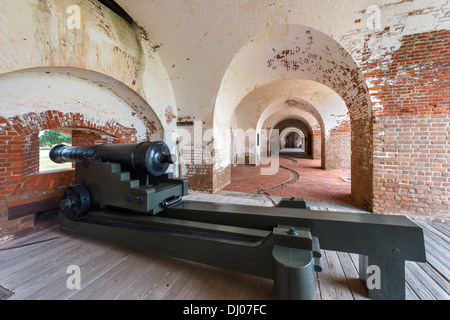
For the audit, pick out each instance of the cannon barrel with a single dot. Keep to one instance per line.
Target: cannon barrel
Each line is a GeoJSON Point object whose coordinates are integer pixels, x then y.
{"type": "Point", "coordinates": [152, 157]}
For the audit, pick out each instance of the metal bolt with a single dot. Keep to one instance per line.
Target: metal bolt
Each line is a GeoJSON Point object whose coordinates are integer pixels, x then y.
{"type": "Point", "coordinates": [396, 251]}
{"type": "Point", "coordinates": [293, 232]}
{"type": "Point", "coordinates": [65, 204]}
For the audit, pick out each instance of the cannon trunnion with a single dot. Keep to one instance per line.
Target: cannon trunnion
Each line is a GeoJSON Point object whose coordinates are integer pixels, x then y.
{"type": "Point", "coordinates": [123, 195]}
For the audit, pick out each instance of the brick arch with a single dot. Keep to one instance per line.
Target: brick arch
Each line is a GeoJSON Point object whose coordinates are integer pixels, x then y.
{"type": "Point", "coordinates": [119, 57]}
{"type": "Point", "coordinates": [286, 132]}
{"type": "Point", "coordinates": [298, 52]}
{"type": "Point", "coordinates": [294, 107]}
{"type": "Point", "coordinates": [140, 109]}
{"type": "Point", "coordinates": [21, 183]}
{"type": "Point", "coordinates": [20, 141]}
{"type": "Point", "coordinates": [313, 124]}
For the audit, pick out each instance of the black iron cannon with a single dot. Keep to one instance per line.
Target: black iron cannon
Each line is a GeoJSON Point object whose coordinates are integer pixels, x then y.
{"type": "Point", "coordinates": [151, 157]}
{"type": "Point", "coordinates": [128, 176]}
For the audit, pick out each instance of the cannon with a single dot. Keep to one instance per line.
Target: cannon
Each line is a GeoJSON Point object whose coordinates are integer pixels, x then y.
{"type": "Point", "coordinates": [123, 195]}
{"type": "Point", "coordinates": [150, 157]}
{"type": "Point", "coordinates": [126, 176]}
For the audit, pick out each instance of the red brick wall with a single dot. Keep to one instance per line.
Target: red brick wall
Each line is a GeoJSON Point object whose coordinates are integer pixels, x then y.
{"type": "Point", "coordinates": [338, 148]}
{"type": "Point", "coordinates": [91, 137]}
{"type": "Point", "coordinates": [20, 180]}
{"type": "Point", "coordinates": [338, 151]}
{"type": "Point", "coordinates": [411, 130]}
{"type": "Point", "coordinates": [412, 166]}
{"type": "Point", "coordinates": [362, 162]}
{"type": "Point", "coordinates": [200, 177]}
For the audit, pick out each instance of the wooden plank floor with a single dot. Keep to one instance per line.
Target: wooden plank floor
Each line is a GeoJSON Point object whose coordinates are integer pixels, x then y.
{"type": "Point", "coordinates": [35, 267]}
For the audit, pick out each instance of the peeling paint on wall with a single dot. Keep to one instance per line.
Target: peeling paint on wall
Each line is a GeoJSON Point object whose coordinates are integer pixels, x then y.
{"type": "Point", "coordinates": [170, 115]}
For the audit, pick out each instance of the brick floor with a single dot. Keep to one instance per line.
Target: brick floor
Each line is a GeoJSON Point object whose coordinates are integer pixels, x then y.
{"type": "Point", "coordinates": [313, 183]}
{"type": "Point", "coordinates": [248, 179]}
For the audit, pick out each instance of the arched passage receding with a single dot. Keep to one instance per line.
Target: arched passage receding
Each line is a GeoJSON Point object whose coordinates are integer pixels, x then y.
{"type": "Point", "coordinates": [300, 110]}
{"type": "Point", "coordinates": [296, 52]}
{"type": "Point", "coordinates": [288, 140]}
{"type": "Point", "coordinates": [281, 97]}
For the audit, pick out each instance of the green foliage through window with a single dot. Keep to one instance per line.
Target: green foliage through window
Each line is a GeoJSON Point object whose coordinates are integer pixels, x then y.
{"type": "Point", "coordinates": [52, 138]}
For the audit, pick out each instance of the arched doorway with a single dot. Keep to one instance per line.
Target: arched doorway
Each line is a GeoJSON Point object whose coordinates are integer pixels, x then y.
{"type": "Point", "coordinates": [323, 74]}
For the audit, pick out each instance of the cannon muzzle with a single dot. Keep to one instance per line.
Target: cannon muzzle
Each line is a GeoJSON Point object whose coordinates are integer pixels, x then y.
{"type": "Point", "coordinates": [151, 157]}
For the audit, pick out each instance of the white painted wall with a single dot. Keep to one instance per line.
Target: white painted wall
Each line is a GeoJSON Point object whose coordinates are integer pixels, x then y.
{"type": "Point", "coordinates": [35, 34]}
{"type": "Point", "coordinates": [199, 38]}
{"type": "Point", "coordinates": [26, 92]}
{"type": "Point", "coordinates": [290, 113]}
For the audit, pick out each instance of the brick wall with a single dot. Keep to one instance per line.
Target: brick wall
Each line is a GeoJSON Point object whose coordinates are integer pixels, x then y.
{"type": "Point", "coordinates": [21, 183]}
{"type": "Point", "coordinates": [412, 166]}
{"type": "Point", "coordinates": [338, 151]}
{"type": "Point", "coordinates": [411, 130]}
{"type": "Point", "coordinates": [222, 178]}
{"type": "Point", "coordinates": [196, 158]}
{"type": "Point", "coordinates": [362, 162]}
{"type": "Point", "coordinates": [317, 143]}
{"type": "Point", "coordinates": [338, 148]}
{"type": "Point", "coordinates": [91, 137]}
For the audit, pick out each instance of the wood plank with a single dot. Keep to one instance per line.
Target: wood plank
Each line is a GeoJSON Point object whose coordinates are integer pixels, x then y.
{"type": "Point", "coordinates": [321, 281]}
{"type": "Point", "coordinates": [216, 285]}
{"type": "Point", "coordinates": [342, 287]}
{"type": "Point", "coordinates": [434, 256]}
{"type": "Point", "coordinates": [317, 293]}
{"type": "Point", "coordinates": [51, 281]}
{"type": "Point", "coordinates": [142, 284]}
{"type": "Point", "coordinates": [39, 252]}
{"type": "Point", "coordinates": [420, 290]}
{"type": "Point", "coordinates": [434, 230]}
{"type": "Point", "coordinates": [30, 268]}
{"type": "Point", "coordinates": [435, 275]}
{"type": "Point", "coordinates": [327, 292]}
{"type": "Point", "coordinates": [356, 287]}
{"type": "Point", "coordinates": [169, 274]}
{"type": "Point", "coordinates": [444, 229]}
{"type": "Point", "coordinates": [332, 281]}
{"type": "Point", "coordinates": [435, 289]}
{"type": "Point", "coordinates": [410, 294]}
{"type": "Point", "coordinates": [196, 283]}
{"type": "Point", "coordinates": [96, 272]}
{"type": "Point", "coordinates": [112, 283]}
{"type": "Point", "coordinates": [53, 231]}
{"type": "Point", "coordinates": [180, 284]}
{"type": "Point", "coordinates": [87, 254]}
{"type": "Point", "coordinates": [436, 264]}
{"type": "Point", "coordinates": [355, 260]}
{"type": "Point", "coordinates": [92, 266]}
{"type": "Point", "coordinates": [436, 243]}
{"type": "Point", "coordinates": [437, 250]}
{"type": "Point", "coordinates": [26, 244]}
{"type": "Point", "coordinates": [243, 287]}
{"type": "Point", "coordinates": [265, 290]}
